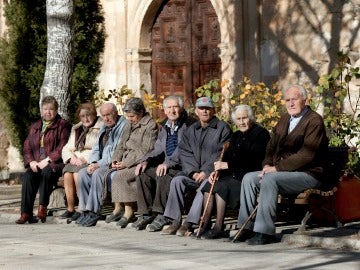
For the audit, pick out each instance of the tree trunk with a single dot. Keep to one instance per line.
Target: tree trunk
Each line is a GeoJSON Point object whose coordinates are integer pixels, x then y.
{"type": "Point", "coordinates": [60, 44]}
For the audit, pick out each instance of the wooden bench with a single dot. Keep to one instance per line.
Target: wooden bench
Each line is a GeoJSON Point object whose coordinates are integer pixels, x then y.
{"type": "Point", "coordinates": [315, 200]}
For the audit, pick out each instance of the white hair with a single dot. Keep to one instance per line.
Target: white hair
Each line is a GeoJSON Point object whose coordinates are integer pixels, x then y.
{"type": "Point", "coordinates": [246, 108]}
{"type": "Point", "coordinates": [301, 89]}
{"type": "Point", "coordinates": [178, 98]}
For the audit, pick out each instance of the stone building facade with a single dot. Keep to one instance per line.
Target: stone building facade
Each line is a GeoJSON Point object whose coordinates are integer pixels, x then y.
{"type": "Point", "coordinates": [173, 46]}
{"type": "Point", "coordinates": [266, 40]}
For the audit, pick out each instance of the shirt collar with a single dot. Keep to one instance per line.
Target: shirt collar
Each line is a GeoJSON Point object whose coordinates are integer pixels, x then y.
{"type": "Point", "coordinates": [300, 114]}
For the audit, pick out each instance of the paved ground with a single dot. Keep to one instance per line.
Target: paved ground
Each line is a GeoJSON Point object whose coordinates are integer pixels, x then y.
{"type": "Point", "coordinates": [61, 246]}
{"type": "Point", "coordinates": [56, 245]}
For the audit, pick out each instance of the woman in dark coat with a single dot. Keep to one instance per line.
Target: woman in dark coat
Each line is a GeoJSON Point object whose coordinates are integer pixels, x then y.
{"type": "Point", "coordinates": [245, 153]}
{"type": "Point", "coordinates": [42, 160]}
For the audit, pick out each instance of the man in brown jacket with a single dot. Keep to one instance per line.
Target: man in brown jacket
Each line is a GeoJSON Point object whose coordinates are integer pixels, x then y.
{"type": "Point", "coordinates": [293, 162]}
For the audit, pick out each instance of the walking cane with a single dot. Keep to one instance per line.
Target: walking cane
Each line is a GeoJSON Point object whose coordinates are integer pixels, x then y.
{"type": "Point", "coordinates": [252, 214]}
{"type": "Point", "coordinates": [216, 177]}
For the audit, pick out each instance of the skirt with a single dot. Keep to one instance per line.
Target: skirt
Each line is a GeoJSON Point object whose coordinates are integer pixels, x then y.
{"type": "Point", "coordinates": [123, 185]}
{"type": "Point", "coordinates": [228, 188]}
{"type": "Point", "coordinates": [72, 168]}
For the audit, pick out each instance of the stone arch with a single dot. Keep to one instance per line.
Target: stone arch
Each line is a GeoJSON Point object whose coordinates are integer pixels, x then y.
{"type": "Point", "coordinates": [146, 14]}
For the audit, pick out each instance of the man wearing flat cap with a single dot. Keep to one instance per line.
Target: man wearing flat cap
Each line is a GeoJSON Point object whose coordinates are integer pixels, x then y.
{"type": "Point", "coordinates": [200, 147]}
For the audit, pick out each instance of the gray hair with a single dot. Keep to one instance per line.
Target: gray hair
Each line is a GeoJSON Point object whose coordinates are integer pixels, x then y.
{"type": "Point", "coordinates": [300, 88]}
{"type": "Point", "coordinates": [173, 97]}
{"type": "Point", "coordinates": [109, 104]}
{"type": "Point", "coordinates": [134, 105]}
{"type": "Point", "coordinates": [246, 108]}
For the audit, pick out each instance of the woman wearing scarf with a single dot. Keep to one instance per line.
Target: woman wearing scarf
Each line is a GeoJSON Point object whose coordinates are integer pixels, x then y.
{"type": "Point", "coordinates": [42, 160]}
{"type": "Point", "coordinates": [77, 152]}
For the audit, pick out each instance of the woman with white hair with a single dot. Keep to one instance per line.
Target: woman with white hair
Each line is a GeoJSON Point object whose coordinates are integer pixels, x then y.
{"type": "Point", "coordinates": [245, 153]}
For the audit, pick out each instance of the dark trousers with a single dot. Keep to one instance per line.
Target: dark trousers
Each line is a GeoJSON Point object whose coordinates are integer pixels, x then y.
{"type": "Point", "coordinates": [153, 191]}
{"type": "Point", "coordinates": [44, 181]}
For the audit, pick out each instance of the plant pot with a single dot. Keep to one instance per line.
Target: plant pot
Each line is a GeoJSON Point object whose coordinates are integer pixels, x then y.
{"type": "Point", "coordinates": [336, 164]}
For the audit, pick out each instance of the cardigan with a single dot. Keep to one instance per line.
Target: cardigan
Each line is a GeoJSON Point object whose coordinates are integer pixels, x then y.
{"type": "Point", "coordinates": [303, 149]}
{"type": "Point", "coordinates": [69, 149]}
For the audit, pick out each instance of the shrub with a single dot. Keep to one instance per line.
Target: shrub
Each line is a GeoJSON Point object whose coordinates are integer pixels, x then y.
{"type": "Point", "coordinates": [266, 101]}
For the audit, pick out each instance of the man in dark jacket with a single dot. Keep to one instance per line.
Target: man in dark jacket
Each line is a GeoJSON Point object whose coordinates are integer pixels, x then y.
{"type": "Point", "coordinates": [157, 168]}
{"type": "Point", "coordinates": [294, 161]}
{"type": "Point", "coordinates": [199, 149]}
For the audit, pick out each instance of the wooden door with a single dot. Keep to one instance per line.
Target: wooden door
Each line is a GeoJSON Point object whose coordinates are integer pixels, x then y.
{"type": "Point", "coordinates": [185, 52]}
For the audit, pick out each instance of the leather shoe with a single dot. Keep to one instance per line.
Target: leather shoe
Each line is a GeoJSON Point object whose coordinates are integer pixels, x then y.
{"type": "Point", "coordinates": [172, 229]}
{"type": "Point", "coordinates": [213, 234]}
{"type": "Point", "coordinates": [25, 217]}
{"type": "Point", "coordinates": [114, 217]}
{"type": "Point", "coordinates": [184, 230]}
{"type": "Point", "coordinates": [243, 236]}
{"type": "Point", "coordinates": [42, 213]}
{"type": "Point", "coordinates": [67, 214]}
{"type": "Point", "coordinates": [75, 216]}
{"type": "Point", "coordinates": [261, 239]}
{"type": "Point", "coordinates": [142, 221]}
{"type": "Point", "coordinates": [123, 222]}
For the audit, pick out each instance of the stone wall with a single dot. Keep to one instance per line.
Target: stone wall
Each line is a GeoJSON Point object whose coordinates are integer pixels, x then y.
{"type": "Point", "coordinates": [300, 39]}
{"type": "Point", "coordinates": [269, 40]}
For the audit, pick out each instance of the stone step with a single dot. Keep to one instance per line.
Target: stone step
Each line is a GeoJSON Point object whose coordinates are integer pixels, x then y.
{"type": "Point", "coordinates": [8, 192]}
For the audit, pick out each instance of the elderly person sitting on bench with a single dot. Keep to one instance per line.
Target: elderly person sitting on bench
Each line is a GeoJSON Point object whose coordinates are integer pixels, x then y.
{"type": "Point", "coordinates": [245, 153]}
{"type": "Point", "coordinates": [294, 161]}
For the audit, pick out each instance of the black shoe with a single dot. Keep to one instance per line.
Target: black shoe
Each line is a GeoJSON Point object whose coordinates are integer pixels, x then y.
{"type": "Point", "coordinates": [123, 222]}
{"type": "Point", "coordinates": [261, 239]}
{"type": "Point", "coordinates": [82, 217]}
{"type": "Point", "coordinates": [92, 220]}
{"type": "Point", "coordinates": [66, 214]}
{"type": "Point", "coordinates": [244, 235]}
{"type": "Point", "coordinates": [75, 216]}
{"type": "Point", "coordinates": [142, 222]}
{"type": "Point", "coordinates": [213, 234]}
{"type": "Point", "coordinates": [114, 217]}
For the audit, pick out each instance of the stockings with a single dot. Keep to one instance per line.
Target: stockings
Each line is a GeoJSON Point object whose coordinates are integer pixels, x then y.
{"type": "Point", "coordinates": [220, 211]}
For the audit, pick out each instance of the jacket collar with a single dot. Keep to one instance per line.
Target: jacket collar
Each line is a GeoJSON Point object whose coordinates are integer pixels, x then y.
{"type": "Point", "coordinates": [54, 124]}
{"type": "Point", "coordinates": [212, 124]}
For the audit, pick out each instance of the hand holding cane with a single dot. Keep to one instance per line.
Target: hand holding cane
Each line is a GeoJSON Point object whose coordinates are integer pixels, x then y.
{"type": "Point", "coordinates": [216, 177]}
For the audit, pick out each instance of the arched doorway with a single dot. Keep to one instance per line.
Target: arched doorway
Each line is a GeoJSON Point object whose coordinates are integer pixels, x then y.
{"type": "Point", "coordinates": [185, 53]}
